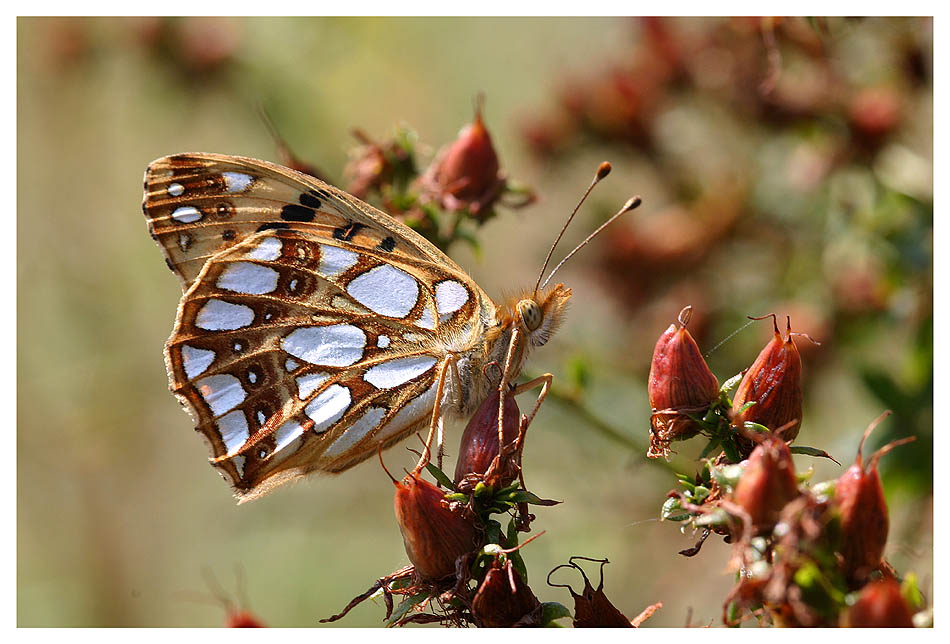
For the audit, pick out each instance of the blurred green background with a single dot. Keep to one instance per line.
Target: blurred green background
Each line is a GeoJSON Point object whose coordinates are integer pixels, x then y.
{"type": "Point", "coordinates": [785, 166]}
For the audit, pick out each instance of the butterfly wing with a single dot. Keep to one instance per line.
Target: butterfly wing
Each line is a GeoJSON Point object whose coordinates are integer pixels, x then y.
{"type": "Point", "coordinates": [198, 204]}
{"type": "Point", "coordinates": [301, 346]}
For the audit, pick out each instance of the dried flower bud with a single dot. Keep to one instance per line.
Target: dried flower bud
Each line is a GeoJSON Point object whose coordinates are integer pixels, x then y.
{"type": "Point", "coordinates": [479, 445]}
{"type": "Point", "coordinates": [767, 484]}
{"type": "Point", "coordinates": [504, 600]}
{"type": "Point", "coordinates": [859, 498]}
{"type": "Point", "coordinates": [465, 176]}
{"type": "Point", "coordinates": [592, 609]}
{"type": "Point", "coordinates": [434, 536]}
{"type": "Point", "coordinates": [369, 167]}
{"type": "Point", "coordinates": [680, 384]}
{"type": "Point", "coordinates": [774, 383]}
{"type": "Point", "coordinates": [880, 605]}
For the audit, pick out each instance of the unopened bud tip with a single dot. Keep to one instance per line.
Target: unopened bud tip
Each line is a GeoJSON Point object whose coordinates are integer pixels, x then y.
{"type": "Point", "coordinates": [632, 203]}
{"type": "Point", "coordinates": [603, 170]}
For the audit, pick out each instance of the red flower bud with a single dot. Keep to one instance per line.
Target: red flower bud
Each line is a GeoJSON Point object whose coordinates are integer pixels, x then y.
{"type": "Point", "coordinates": [680, 384]}
{"type": "Point", "coordinates": [774, 383]}
{"type": "Point", "coordinates": [479, 445]}
{"type": "Point", "coordinates": [369, 167]}
{"type": "Point", "coordinates": [859, 498]}
{"type": "Point", "coordinates": [466, 174]}
{"type": "Point", "coordinates": [767, 484]}
{"type": "Point", "coordinates": [880, 605]}
{"type": "Point", "coordinates": [434, 536]}
{"type": "Point", "coordinates": [504, 600]}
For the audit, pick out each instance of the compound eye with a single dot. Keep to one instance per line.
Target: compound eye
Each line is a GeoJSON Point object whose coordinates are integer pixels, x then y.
{"type": "Point", "coordinates": [530, 314]}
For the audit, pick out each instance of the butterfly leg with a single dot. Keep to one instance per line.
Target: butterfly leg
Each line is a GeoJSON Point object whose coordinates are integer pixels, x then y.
{"type": "Point", "coordinates": [435, 425]}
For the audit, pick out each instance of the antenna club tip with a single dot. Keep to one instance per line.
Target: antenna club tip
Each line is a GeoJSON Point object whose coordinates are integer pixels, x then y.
{"type": "Point", "coordinates": [603, 170]}
{"type": "Point", "coordinates": [632, 203]}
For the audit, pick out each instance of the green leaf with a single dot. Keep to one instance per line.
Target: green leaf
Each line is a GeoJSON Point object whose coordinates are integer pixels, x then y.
{"type": "Point", "coordinates": [551, 611]}
{"type": "Point", "coordinates": [515, 557]}
{"type": "Point", "coordinates": [700, 493]}
{"type": "Point", "coordinates": [731, 383]}
{"type": "Point", "coordinates": [493, 532]}
{"type": "Point", "coordinates": [440, 476]}
{"type": "Point", "coordinates": [710, 446]}
{"type": "Point", "coordinates": [812, 451]}
{"type": "Point", "coordinates": [523, 496]}
{"type": "Point", "coordinates": [717, 517]}
{"type": "Point", "coordinates": [911, 592]}
{"type": "Point", "coordinates": [673, 511]}
{"type": "Point", "coordinates": [405, 606]}
{"type": "Point", "coordinates": [729, 449]}
{"type": "Point", "coordinates": [756, 427]}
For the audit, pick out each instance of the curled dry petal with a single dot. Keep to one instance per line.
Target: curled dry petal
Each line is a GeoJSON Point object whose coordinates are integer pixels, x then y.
{"type": "Point", "coordinates": [774, 384]}
{"type": "Point", "coordinates": [681, 384]}
{"type": "Point", "coordinates": [434, 536]}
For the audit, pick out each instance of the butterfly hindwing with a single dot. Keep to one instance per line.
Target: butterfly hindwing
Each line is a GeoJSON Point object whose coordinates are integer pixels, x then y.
{"type": "Point", "coordinates": [296, 353]}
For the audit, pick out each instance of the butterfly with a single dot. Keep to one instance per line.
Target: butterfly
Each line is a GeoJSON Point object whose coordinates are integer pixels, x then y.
{"type": "Point", "coordinates": [314, 329]}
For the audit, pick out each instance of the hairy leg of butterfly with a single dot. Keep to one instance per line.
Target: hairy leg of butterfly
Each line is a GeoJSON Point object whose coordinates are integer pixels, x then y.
{"type": "Point", "coordinates": [545, 380]}
{"type": "Point", "coordinates": [436, 414]}
{"type": "Point", "coordinates": [503, 386]}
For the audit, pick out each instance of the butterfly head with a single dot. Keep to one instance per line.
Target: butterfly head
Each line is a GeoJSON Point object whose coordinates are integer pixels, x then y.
{"type": "Point", "coordinates": [538, 314]}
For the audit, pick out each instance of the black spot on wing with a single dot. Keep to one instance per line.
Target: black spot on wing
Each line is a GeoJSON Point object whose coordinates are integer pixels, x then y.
{"type": "Point", "coordinates": [293, 212]}
{"type": "Point", "coordinates": [348, 232]}
{"type": "Point", "coordinates": [272, 225]}
{"type": "Point", "coordinates": [388, 244]}
{"type": "Point", "coordinates": [310, 200]}
{"type": "Point", "coordinates": [228, 235]}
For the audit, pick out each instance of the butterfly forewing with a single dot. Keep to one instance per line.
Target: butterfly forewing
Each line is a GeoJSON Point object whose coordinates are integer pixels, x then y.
{"type": "Point", "coordinates": [198, 204]}
{"type": "Point", "coordinates": [312, 330]}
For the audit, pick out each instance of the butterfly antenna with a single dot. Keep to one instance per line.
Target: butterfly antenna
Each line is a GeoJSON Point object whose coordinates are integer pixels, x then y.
{"type": "Point", "coordinates": [602, 171]}
{"type": "Point", "coordinates": [631, 204]}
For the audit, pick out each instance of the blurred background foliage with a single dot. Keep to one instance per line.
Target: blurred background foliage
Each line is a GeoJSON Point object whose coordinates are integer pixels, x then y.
{"type": "Point", "coordinates": [785, 166]}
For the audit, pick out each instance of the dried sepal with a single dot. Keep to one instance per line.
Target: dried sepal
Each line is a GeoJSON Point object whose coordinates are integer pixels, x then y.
{"type": "Point", "coordinates": [592, 609]}
{"type": "Point", "coordinates": [680, 385]}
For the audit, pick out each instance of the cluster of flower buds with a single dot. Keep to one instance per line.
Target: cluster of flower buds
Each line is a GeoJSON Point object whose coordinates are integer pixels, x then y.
{"type": "Point", "coordinates": [680, 387]}
{"type": "Point", "coordinates": [812, 556]}
{"type": "Point", "coordinates": [464, 180]}
{"type": "Point", "coordinates": [686, 399]}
